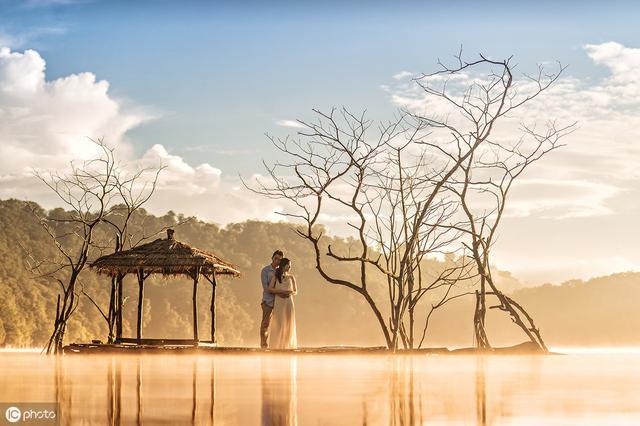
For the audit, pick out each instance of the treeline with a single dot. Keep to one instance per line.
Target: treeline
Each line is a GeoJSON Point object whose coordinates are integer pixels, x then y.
{"type": "Point", "coordinates": [597, 312]}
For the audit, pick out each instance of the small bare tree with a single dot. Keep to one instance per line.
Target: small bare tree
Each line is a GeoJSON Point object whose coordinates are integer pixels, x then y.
{"type": "Point", "coordinates": [133, 191]}
{"type": "Point", "coordinates": [100, 199]}
{"type": "Point", "coordinates": [88, 191]}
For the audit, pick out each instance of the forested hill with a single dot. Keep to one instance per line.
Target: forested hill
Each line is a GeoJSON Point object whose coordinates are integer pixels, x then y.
{"type": "Point", "coordinates": [601, 311]}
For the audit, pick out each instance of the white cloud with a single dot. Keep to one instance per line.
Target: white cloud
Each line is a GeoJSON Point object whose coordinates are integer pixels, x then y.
{"type": "Point", "coordinates": [46, 124]}
{"type": "Point", "coordinates": [289, 123]}
{"type": "Point", "coordinates": [561, 199]}
{"type": "Point", "coordinates": [215, 149]}
{"type": "Point", "coordinates": [402, 74]}
{"type": "Point", "coordinates": [624, 62]}
{"type": "Point", "coordinates": [599, 160]}
{"type": "Point", "coordinates": [21, 38]}
{"type": "Point", "coordinates": [202, 191]}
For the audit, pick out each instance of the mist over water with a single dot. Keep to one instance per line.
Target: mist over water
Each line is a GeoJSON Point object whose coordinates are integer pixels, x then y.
{"type": "Point", "coordinates": [583, 387]}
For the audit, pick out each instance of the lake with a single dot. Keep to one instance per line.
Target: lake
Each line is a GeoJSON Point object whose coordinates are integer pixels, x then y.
{"type": "Point", "coordinates": [591, 387]}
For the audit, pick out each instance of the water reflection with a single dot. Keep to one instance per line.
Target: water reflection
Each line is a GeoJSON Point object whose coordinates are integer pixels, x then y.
{"type": "Point", "coordinates": [139, 391]}
{"type": "Point", "coordinates": [481, 391]}
{"type": "Point", "coordinates": [328, 389]}
{"type": "Point", "coordinates": [405, 400]}
{"type": "Point", "coordinates": [200, 406]}
{"type": "Point", "coordinates": [279, 391]}
{"type": "Point", "coordinates": [63, 391]}
{"type": "Point", "coordinates": [212, 386]}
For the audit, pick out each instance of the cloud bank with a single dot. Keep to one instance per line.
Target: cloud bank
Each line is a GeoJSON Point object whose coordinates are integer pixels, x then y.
{"type": "Point", "coordinates": [596, 165]}
{"type": "Point", "coordinates": [47, 124]}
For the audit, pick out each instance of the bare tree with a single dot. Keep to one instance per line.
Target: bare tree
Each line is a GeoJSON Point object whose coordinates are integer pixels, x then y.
{"type": "Point", "coordinates": [399, 189]}
{"type": "Point", "coordinates": [483, 192]}
{"type": "Point", "coordinates": [385, 188]}
{"type": "Point", "coordinates": [101, 198]}
{"type": "Point", "coordinates": [88, 190]}
{"type": "Point", "coordinates": [395, 200]}
{"type": "Point", "coordinates": [133, 191]}
{"type": "Point", "coordinates": [476, 104]}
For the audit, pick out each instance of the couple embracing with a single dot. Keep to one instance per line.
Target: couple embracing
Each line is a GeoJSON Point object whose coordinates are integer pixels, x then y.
{"type": "Point", "coordinates": [278, 327]}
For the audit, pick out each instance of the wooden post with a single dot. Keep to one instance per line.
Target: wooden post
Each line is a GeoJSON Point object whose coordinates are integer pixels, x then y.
{"type": "Point", "coordinates": [120, 289]}
{"type": "Point", "coordinates": [196, 272]}
{"type": "Point", "coordinates": [113, 315]}
{"type": "Point", "coordinates": [113, 300]}
{"type": "Point", "coordinates": [213, 306]}
{"type": "Point", "coordinates": [140, 302]}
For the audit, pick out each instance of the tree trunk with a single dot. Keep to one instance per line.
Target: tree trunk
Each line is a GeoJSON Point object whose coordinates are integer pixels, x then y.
{"type": "Point", "coordinates": [482, 342]}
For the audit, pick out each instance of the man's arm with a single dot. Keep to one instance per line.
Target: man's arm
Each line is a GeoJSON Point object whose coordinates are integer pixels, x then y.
{"type": "Point", "coordinates": [273, 290]}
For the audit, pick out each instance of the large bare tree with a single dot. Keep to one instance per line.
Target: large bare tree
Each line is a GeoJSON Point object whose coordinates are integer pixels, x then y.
{"type": "Point", "coordinates": [396, 185]}
{"type": "Point", "coordinates": [381, 180]}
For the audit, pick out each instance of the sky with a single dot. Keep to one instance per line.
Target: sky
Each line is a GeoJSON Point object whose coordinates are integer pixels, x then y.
{"type": "Point", "coordinates": [196, 85]}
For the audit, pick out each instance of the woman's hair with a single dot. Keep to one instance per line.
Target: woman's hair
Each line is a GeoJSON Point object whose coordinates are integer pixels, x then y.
{"type": "Point", "coordinates": [280, 271]}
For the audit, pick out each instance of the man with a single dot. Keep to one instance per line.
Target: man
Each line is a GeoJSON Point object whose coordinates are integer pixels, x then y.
{"type": "Point", "coordinates": [269, 296]}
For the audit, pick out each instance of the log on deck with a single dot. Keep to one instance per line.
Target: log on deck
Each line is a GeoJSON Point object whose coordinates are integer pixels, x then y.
{"type": "Point", "coordinates": [160, 342]}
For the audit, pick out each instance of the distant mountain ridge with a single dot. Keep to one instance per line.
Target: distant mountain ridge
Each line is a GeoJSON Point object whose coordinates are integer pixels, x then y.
{"type": "Point", "coordinates": [600, 311]}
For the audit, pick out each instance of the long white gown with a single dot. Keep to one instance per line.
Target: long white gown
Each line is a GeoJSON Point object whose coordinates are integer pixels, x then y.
{"type": "Point", "coordinates": [282, 334]}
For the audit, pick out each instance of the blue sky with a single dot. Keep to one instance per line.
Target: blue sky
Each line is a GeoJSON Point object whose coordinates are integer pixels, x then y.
{"type": "Point", "coordinates": [197, 84]}
{"type": "Point", "coordinates": [221, 74]}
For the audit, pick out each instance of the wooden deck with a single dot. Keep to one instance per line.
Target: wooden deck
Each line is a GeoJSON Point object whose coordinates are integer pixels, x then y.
{"type": "Point", "coordinates": [200, 347]}
{"type": "Point", "coordinates": [166, 346]}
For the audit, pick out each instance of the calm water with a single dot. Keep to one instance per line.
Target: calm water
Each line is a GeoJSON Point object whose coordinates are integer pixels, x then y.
{"type": "Point", "coordinates": [576, 389]}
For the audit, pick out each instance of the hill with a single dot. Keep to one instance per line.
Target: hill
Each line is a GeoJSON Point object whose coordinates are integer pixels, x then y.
{"type": "Point", "coordinates": [600, 311]}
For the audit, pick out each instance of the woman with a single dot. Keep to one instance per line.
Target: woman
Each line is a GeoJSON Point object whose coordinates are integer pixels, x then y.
{"type": "Point", "coordinates": [283, 322]}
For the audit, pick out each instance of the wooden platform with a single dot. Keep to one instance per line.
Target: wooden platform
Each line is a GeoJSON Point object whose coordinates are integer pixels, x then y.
{"type": "Point", "coordinates": [166, 346]}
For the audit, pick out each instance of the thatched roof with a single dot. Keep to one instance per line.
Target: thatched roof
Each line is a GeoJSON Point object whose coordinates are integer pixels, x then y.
{"type": "Point", "coordinates": [166, 256]}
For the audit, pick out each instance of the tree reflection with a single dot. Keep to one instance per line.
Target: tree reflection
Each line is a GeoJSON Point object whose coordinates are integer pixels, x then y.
{"type": "Point", "coordinates": [63, 392]}
{"type": "Point", "coordinates": [405, 402]}
{"type": "Point", "coordinates": [481, 391]}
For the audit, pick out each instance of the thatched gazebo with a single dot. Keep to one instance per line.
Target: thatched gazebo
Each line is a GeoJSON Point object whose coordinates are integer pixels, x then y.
{"type": "Point", "coordinates": [167, 257]}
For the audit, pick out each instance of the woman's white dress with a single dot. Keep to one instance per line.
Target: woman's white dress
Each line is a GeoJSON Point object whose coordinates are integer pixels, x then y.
{"type": "Point", "coordinates": [282, 334]}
